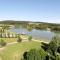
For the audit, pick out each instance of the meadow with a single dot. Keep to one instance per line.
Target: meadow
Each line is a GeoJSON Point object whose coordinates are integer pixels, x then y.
{"type": "Point", "coordinates": [15, 51]}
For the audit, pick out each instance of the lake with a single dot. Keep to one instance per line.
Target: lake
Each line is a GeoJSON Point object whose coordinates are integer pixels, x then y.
{"type": "Point", "coordinates": [36, 34]}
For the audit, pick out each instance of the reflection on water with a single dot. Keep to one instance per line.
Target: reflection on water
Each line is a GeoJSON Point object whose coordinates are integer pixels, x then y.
{"type": "Point", "coordinates": [37, 34]}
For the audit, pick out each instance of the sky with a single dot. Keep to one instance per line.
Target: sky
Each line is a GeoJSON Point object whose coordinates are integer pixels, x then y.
{"type": "Point", "coordinates": [30, 10]}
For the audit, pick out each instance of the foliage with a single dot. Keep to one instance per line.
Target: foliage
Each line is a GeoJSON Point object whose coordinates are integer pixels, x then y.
{"type": "Point", "coordinates": [30, 38]}
{"type": "Point", "coordinates": [1, 35]}
{"type": "Point", "coordinates": [8, 35]}
{"type": "Point", "coordinates": [58, 50]}
{"type": "Point", "coordinates": [35, 54]}
{"type": "Point", "coordinates": [58, 57]}
{"type": "Point", "coordinates": [53, 45]}
{"type": "Point", "coordinates": [2, 43]}
{"type": "Point", "coordinates": [29, 27]}
{"type": "Point", "coordinates": [53, 48]}
{"type": "Point", "coordinates": [44, 46]}
{"type": "Point", "coordinates": [19, 39]}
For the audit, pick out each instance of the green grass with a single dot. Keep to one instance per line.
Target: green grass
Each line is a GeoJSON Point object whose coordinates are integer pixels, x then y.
{"type": "Point", "coordinates": [9, 40]}
{"type": "Point", "coordinates": [15, 51]}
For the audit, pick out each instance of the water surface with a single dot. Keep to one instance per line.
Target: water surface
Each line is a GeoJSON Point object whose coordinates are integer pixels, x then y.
{"type": "Point", "coordinates": [37, 34]}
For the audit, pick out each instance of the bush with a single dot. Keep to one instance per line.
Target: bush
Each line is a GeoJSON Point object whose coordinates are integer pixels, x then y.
{"type": "Point", "coordinates": [58, 50]}
{"type": "Point", "coordinates": [34, 54]}
{"type": "Point", "coordinates": [2, 43]}
{"type": "Point", "coordinates": [53, 45]}
{"type": "Point", "coordinates": [30, 38]}
{"type": "Point", "coordinates": [45, 46]}
{"type": "Point", "coordinates": [19, 39]}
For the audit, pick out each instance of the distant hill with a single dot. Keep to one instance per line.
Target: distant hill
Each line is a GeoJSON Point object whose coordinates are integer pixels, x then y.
{"type": "Point", "coordinates": [24, 22]}
{"type": "Point", "coordinates": [13, 22]}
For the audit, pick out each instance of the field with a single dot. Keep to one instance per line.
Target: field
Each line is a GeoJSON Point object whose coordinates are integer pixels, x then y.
{"type": "Point", "coordinates": [15, 51]}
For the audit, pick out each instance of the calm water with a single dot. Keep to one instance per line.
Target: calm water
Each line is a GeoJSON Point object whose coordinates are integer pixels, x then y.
{"type": "Point", "coordinates": [37, 34]}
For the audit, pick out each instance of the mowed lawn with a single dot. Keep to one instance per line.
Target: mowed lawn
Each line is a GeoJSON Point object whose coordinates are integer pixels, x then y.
{"type": "Point", "coordinates": [15, 51]}
{"type": "Point", "coordinates": [9, 40]}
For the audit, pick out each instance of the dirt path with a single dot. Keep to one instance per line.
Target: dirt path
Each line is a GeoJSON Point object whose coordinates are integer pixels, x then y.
{"type": "Point", "coordinates": [1, 49]}
{"type": "Point", "coordinates": [11, 44]}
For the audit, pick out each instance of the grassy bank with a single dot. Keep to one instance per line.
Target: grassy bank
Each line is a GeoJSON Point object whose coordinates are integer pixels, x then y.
{"type": "Point", "coordinates": [9, 40]}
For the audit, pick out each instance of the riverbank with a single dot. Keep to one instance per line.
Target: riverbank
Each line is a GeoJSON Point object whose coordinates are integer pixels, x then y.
{"type": "Point", "coordinates": [40, 41]}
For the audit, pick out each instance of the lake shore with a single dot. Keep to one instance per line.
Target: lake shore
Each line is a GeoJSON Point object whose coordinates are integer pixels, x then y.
{"type": "Point", "coordinates": [40, 41]}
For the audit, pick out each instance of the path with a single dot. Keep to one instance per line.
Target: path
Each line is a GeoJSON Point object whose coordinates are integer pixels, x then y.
{"type": "Point", "coordinates": [11, 44]}
{"type": "Point", "coordinates": [22, 41]}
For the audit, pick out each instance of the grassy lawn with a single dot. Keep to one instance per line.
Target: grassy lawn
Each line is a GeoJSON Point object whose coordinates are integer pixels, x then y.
{"type": "Point", "coordinates": [9, 40]}
{"type": "Point", "coordinates": [15, 51]}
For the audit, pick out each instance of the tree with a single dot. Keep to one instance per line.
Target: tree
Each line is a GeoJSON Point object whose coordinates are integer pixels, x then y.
{"type": "Point", "coordinates": [1, 35]}
{"type": "Point", "coordinates": [58, 57]}
{"type": "Point", "coordinates": [53, 47]}
{"type": "Point", "coordinates": [2, 43]}
{"type": "Point", "coordinates": [35, 54]}
{"type": "Point", "coordinates": [19, 39]}
{"type": "Point", "coordinates": [58, 50]}
{"type": "Point", "coordinates": [8, 35]}
{"type": "Point", "coordinates": [29, 28]}
{"type": "Point", "coordinates": [45, 46]}
{"type": "Point", "coordinates": [30, 38]}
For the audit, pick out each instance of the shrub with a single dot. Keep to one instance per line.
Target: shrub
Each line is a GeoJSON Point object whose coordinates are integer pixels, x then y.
{"type": "Point", "coordinates": [30, 38]}
{"type": "Point", "coordinates": [2, 43]}
{"type": "Point", "coordinates": [58, 50]}
{"type": "Point", "coordinates": [19, 39]}
{"type": "Point", "coordinates": [35, 54]}
{"type": "Point", "coordinates": [44, 46]}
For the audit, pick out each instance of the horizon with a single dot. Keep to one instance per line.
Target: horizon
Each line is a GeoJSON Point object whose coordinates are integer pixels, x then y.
{"type": "Point", "coordinates": [30, 21]}
{"type": "Point", "coordinates": [30, 10]}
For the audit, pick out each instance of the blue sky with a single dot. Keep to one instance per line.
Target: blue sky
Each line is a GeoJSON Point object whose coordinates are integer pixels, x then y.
{"type": "Point", "coordinates": [32, 10]}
